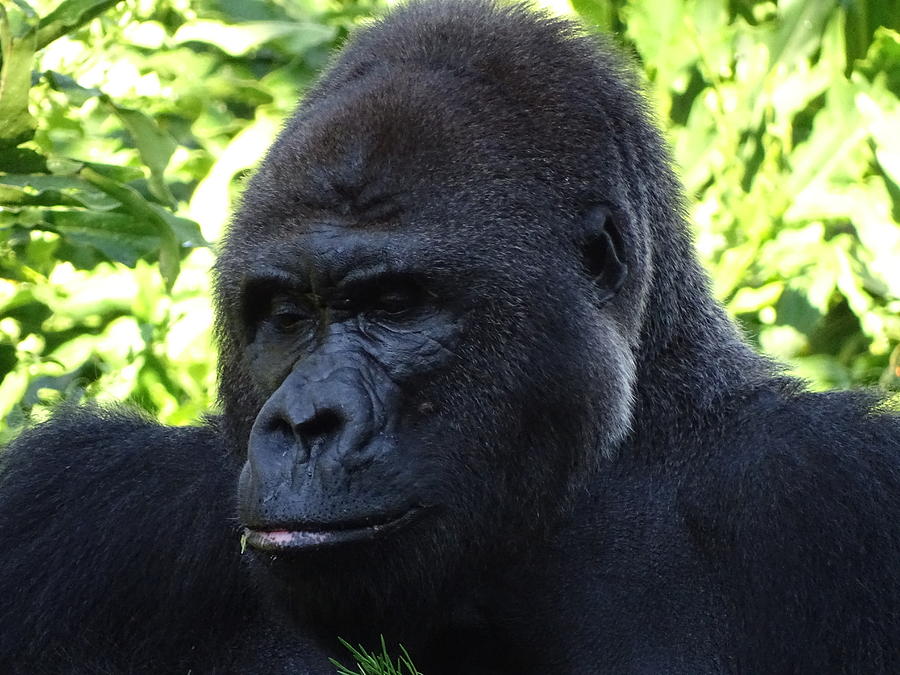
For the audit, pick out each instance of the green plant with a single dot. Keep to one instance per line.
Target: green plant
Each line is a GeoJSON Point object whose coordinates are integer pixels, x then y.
{"type": "Point", "coordinates": [783, 120]}
{"type": "Point", "coordinates": [376, 663]}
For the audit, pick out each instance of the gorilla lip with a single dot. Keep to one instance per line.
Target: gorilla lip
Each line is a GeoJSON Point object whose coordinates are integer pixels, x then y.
{"type": "Point", "coordinates": [300, 536]}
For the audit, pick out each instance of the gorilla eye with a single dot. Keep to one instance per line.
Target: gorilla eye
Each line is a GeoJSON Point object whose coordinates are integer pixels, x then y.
{"type": "Point", "coordinates": [285, 314]}
{"type": "Point", "coordinates": [394, 298]}
{"type": "Point", "coordinates": [393, 302]}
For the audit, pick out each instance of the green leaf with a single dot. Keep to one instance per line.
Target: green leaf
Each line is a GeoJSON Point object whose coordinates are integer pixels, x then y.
{"type": "Point", "coordinates": [823, 371]}
{"type": "Point", "coordinates": [18, 43]}
{"type": "Point", "coordinates": [878, 101]}
{"type": "Point", "coordinates": [119, 237]}
{"type": "Point", "coordinates": [18, 189]}
{"type": "Point", "coordinates": [376, 663]}
{"type": "Point", "coordinates": [154, 145]}
{"type": "Point", "coordinates": [122, 174]}
{"type": "Point", "coordinates": [68, 86]}
{"type": "Point", "coordinates": [239, 39]}
{"type": "Point", "coordinates": [24, 302]}
{"type": "Point", "coordinates": [883, 59]}
{"type": "Point", "coordinates": [187, 231]}
{"type": "Point", "coordinates": [22, 160]}
{"type": "Point", "coordinates": [837, 134]}
{"type": "Point", "coordinates": [732, 266]}
{"type": "Point", "coordinates": [754, 299]}
{"type": "Point", "coordinates": [169, 251]}
{"type": "Point", "coordinates": [864, 17]}
{"type": "Point", "coordinates": [800, 30]}
{"type": "Point", "coordinates": [68, 16]}
{"type": "Point", "coordinates": [795, 309]}
{"type": "Point", "coordinates": [783, 342]}
{"type": "Point", "coordinates": [601, 13]}
{"type": "Point", "coordinates": [850, 283]}
{"type": "Point", "coordinates": [60, 166]}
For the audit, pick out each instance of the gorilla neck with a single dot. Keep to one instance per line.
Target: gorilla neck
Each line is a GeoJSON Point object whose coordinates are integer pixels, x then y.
{"type": "Point", "coordinates": [692, 359]}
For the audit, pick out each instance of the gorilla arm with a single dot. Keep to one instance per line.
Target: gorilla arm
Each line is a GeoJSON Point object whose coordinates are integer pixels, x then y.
{"type": "Point", "coordinates": [119, 542]}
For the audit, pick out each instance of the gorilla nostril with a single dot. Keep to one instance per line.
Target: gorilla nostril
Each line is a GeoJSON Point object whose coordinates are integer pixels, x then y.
{"type": "Point", "coordinates": [323, 423]}
{"type": "Point", "coordinates": [279, 428]}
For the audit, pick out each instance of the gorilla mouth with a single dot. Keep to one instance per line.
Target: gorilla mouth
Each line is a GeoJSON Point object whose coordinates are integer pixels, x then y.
{"type": "Point", "coordinates": [307, 536]}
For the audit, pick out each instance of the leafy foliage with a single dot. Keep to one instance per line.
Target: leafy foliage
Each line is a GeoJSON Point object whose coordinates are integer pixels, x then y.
{"type": "Point", "coordinates": [783, 119]}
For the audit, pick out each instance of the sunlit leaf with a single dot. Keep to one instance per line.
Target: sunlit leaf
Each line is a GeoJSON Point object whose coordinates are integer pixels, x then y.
{"type": "Point", "coordinates": [239, 39]}
{"type": "Point", "coordinates": [864, 17]}
{"type": "Point", "coordinates": [67, 85]}
{"type": "Point", "coordinates": [69, 15]}
{"type": "Point", "coordinates": [154, 145]}
{"type": "Point", "coordinates": [600, 13]}
{"type": "Point", "coordinates": [48, 190]}
{"type": "Point", "coordinates": [753, 299]}
{"type": "Point", "coordinates": [169, 250]}
{"type": "Point", "coordinates": [119, 237]}
{"type": "Point", "coordinates": [18, 42]}
{"type": "Point", "coordinates": [800, 30]}
{"type": "Point", "coordinates": [838, 132]}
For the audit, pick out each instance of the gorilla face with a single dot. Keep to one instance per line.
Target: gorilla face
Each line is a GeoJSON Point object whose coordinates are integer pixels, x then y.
{"type": "Point", "coordinates": [346, 329]}
{"type": "Point", "coordinates": [405, 318]}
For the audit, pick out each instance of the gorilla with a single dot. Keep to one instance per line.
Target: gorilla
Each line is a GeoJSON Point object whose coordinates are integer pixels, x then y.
{"type": "Point", "coordinates": [476, 398]}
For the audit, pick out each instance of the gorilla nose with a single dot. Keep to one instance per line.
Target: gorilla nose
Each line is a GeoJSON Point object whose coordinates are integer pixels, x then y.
{"type": "Point", "coordinates": [303, 426]}
{"type": "Point", "coordinates": [322, 417]}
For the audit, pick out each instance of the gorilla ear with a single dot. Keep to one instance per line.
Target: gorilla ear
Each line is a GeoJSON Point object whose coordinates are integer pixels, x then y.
{"type": "Point", "coordinates": [602, 250]}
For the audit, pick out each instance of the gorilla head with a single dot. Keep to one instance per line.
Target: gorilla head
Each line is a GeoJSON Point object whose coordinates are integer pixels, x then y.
{"type": "Point", "coordinates": [432, 300]}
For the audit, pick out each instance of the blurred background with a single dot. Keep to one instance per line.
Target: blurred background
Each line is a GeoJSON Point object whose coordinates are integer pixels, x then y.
{"type": "Point", "coordinates": [127, 130]}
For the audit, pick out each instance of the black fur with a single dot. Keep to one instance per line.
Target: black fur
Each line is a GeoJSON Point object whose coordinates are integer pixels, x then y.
{"type": "Point", "coordinates": [594, 472]}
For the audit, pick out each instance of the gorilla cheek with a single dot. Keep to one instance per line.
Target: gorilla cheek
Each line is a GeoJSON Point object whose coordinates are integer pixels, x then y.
{"type": "Point", "coordinates": [590, 392]}
{"type": "Point", "coordinates": [615, 401]}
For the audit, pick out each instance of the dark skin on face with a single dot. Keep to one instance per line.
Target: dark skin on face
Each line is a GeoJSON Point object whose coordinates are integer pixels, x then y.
{"type": "Point", "coordinates": [346, 331]}
{"type": "Point", "coordinates": [421, 360]}
{"type": "Point", "coordinates": [339, 329]}
{"type": "Point", "coordinates": [386, 444]}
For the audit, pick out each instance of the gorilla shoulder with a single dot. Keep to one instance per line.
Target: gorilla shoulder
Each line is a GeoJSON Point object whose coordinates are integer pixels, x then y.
{"type": "Point", "coordinates": [107, 517]}
{"type": "Point", "coordinates": [793, 511]}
